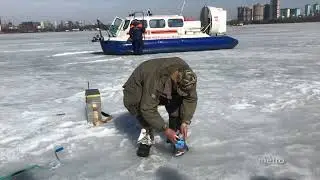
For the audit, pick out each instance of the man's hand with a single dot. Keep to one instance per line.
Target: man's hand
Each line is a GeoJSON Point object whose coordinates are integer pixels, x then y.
{"type": "Point", "coordinates": [184, 130]}
{"type": "Point", "coordinates": [171, 135]}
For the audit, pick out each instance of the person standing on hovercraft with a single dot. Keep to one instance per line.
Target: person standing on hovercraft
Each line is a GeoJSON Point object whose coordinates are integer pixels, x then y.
{"type": "Point", "coordinates": [164, 81]}
{"type": "Point", "coordinates": [136, 36]}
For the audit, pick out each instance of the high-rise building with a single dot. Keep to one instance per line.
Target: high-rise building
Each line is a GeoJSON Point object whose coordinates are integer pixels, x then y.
{"type": "Point", "coordinates": [295, 12]}
{"type": "Point", "coordinates": [285, 13]}
{"type": "Point", "coordinates": [42, 24]}
{"type": "Point", "coordinates": [241, 13]}
{"type": "Point", "coordinates": [258, 12]}
{"type": "Point", "coordinates": [248, 14]}
{"type": "Point", "coordinates": [275, 9]}
{"type": "Point", "coordinates": [55, 25]}
{"type": "Point", "coordinates": [244, 14]}
{"type": "Point", "coordinates": [307, 10]}
{"type": "Point", "coordinates": [316, 8]}
{"type": "Point", "coordinates": [298, 12]}
{"type": "Point", "coordinates": [267, 12]}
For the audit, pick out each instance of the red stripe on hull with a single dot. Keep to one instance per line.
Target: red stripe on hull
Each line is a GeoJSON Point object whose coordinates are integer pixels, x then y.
{"type": "Point", "coordinates": [160, 31]}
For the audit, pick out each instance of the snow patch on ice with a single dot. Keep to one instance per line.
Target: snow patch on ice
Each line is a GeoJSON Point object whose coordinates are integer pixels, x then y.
{"type": "Point", "coordinates": [29, 50]}
{"type": "Point", "coordinates": [213, 143]}
{"type": "Point", "coordinates": [242, 105]}
{"type": "Point", "coordinates": [95, 61]}
{"type": "Point", "coordinates": [299, 149]}
{"type": "Point", "coordinates": [10, 139]}
{"type": "Point", "coordinates": [67, 124]}
{"type": "Point", "coordinates": [82, 133]}
{"type": "Point", "coordinates": [72, 53]}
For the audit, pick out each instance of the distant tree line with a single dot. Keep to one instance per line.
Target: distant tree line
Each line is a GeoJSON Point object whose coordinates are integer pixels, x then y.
{"type": "Point", "coordinates": [33, 27]}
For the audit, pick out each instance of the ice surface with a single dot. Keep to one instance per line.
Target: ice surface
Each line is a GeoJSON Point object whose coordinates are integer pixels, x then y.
{"type": "Point", "coordinates": [259, 106]}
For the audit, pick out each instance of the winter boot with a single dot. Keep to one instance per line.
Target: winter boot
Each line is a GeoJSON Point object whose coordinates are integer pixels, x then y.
{"type": "Point", "coordinates": [145, 141]}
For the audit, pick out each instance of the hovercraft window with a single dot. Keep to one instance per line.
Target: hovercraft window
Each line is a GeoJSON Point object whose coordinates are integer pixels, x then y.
{"type": "Point", "coordinates": [126, 24]}
{"type": "Point", "coordinates": [157, 23]}
{"type": "Point", "coordinates": [175, 23]}
{"type": "Point", "coordinates": [145, 23]}
{"type": "Point", "coordinates": [115, 26]}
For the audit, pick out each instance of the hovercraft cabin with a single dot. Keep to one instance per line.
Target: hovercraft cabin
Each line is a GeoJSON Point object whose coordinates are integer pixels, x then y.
{"type": "Point", "coordinates": [158, 27]}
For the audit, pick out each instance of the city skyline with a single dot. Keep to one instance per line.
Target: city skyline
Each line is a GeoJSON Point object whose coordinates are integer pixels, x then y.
{"type": "Point", "coordinates": [36, 10]}
{"type": "Point", "coordinates": [274, 11]}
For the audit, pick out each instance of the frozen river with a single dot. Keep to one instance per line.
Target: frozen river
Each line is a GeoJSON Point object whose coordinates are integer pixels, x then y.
{"type": "Point", "coordinates": [258, 103]}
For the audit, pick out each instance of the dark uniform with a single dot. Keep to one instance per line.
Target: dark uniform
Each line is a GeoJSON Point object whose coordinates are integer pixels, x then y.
{"type": "Point", "coordinates": [150, 85]}
{"type": "Point", "coordinates": [136, 35]}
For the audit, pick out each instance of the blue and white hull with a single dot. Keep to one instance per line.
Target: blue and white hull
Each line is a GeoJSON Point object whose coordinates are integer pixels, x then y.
{"type": "Point", "coordinates": [112, 47]}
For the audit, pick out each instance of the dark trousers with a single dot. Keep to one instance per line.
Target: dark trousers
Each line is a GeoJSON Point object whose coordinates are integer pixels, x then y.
{"type": "Point", "coordinates": [137, 46]}
{"type": "Point", "coordinates": [173, 107]}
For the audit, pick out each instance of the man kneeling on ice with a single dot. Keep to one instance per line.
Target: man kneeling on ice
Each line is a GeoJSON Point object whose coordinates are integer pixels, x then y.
{"type": "Point", "coordinates": [164, 81]}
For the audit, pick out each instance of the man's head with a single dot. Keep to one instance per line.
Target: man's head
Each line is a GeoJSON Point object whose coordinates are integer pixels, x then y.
{"type": "Point", "coordinates": [186, 79]}
{"type": "Point", "coordinates": [135, 22]}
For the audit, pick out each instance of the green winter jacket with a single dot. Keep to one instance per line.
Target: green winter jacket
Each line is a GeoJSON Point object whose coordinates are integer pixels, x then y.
{"type": "Point", "coordinates": [146, 84]}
